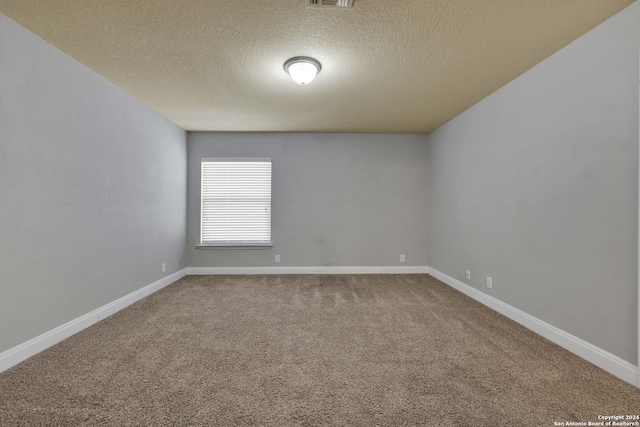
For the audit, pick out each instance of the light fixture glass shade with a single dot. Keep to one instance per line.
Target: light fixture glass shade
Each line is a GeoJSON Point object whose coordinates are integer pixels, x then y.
{"type": "Point", "coordinates": [302, 69]}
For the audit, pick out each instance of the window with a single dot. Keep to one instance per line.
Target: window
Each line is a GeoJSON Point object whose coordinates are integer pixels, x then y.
{"type": "Point", "coordinates": [235, 202]}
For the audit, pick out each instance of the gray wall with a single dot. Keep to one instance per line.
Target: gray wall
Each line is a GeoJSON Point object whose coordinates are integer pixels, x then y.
{"type": "Point", "coordinates": [92, 189]}
{"type": "Point", "coordinates": [536, 186]}
{"type": "Point", "coordinates": [337, 199]}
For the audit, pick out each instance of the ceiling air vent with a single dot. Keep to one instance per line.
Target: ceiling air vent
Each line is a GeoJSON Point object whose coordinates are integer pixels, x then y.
{"type": "Point", "coordinates": [342, 4]}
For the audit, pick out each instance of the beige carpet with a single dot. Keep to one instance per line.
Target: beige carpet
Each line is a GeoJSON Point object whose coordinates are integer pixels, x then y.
{"type": "Point", "coordinates": [356, 350]}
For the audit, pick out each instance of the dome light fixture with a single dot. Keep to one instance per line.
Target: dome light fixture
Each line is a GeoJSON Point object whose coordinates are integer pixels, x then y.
{"type": "Point", "coordinates": [302, 69]}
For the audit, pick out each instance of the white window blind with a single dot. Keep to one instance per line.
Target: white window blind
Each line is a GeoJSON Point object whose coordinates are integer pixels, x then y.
{"type": "Point", "coordinates": [236, 202]}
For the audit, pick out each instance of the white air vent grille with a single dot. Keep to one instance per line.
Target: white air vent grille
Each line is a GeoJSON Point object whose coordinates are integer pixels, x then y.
{"type": "Point", "coordinates": [329, 3]}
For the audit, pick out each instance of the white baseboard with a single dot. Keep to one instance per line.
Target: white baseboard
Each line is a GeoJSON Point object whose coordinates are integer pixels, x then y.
{"type": "Point", "coordinates": [21, 352]}
{"type": "Point", "coordinates": [308, 270]}
{"type": "Point", "coordinates": [599, 357]}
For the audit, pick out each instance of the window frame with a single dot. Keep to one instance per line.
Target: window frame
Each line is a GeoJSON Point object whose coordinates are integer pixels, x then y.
{"type": "Point", "coordinates": [238, 244]}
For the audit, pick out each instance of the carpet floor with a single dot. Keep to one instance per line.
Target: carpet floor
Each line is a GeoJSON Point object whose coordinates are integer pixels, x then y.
{"type": "Point", "coordinates": [308, 350]}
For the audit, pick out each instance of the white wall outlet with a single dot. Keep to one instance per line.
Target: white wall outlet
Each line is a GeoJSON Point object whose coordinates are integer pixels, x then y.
{"type": "Point", "coordinates": [489, 282]}
{"type": "Point", "coordinates": [402, 258]}
{"type": "Point", "coordinates": [468, 275]}
{"type": "Point", "coordinates": [277, 258]}
{"type": "Point", "coordinates": [164, 267]}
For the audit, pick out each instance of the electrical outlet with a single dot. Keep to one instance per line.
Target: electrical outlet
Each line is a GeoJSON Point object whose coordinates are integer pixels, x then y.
{"type": "Point", "coordinates": [164, 267]}
{"type": "Point", "coordinates": [277, 258]}
{"type": "Point", "coordinates": [468, 275]}
{"type": "Point", "coordinates": [489, 282]}
{"type": "Point", "coordinates": [402, 258]}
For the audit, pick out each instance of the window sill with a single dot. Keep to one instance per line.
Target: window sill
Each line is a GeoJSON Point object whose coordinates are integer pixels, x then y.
{"type": "Point", "coordinates": [237, 246]}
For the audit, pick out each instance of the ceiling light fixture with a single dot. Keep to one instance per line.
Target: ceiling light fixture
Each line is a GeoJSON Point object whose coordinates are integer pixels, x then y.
{"type": "Point", "coordinates": [302, 69]}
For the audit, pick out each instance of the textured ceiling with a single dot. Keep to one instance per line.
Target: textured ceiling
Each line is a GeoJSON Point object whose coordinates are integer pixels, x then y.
{"type": "Point", "coordinates": [391, 66]}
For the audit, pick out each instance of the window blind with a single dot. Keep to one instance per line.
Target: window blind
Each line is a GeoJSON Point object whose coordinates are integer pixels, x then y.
{"type": "Point", "coordinates": [236, 202]}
